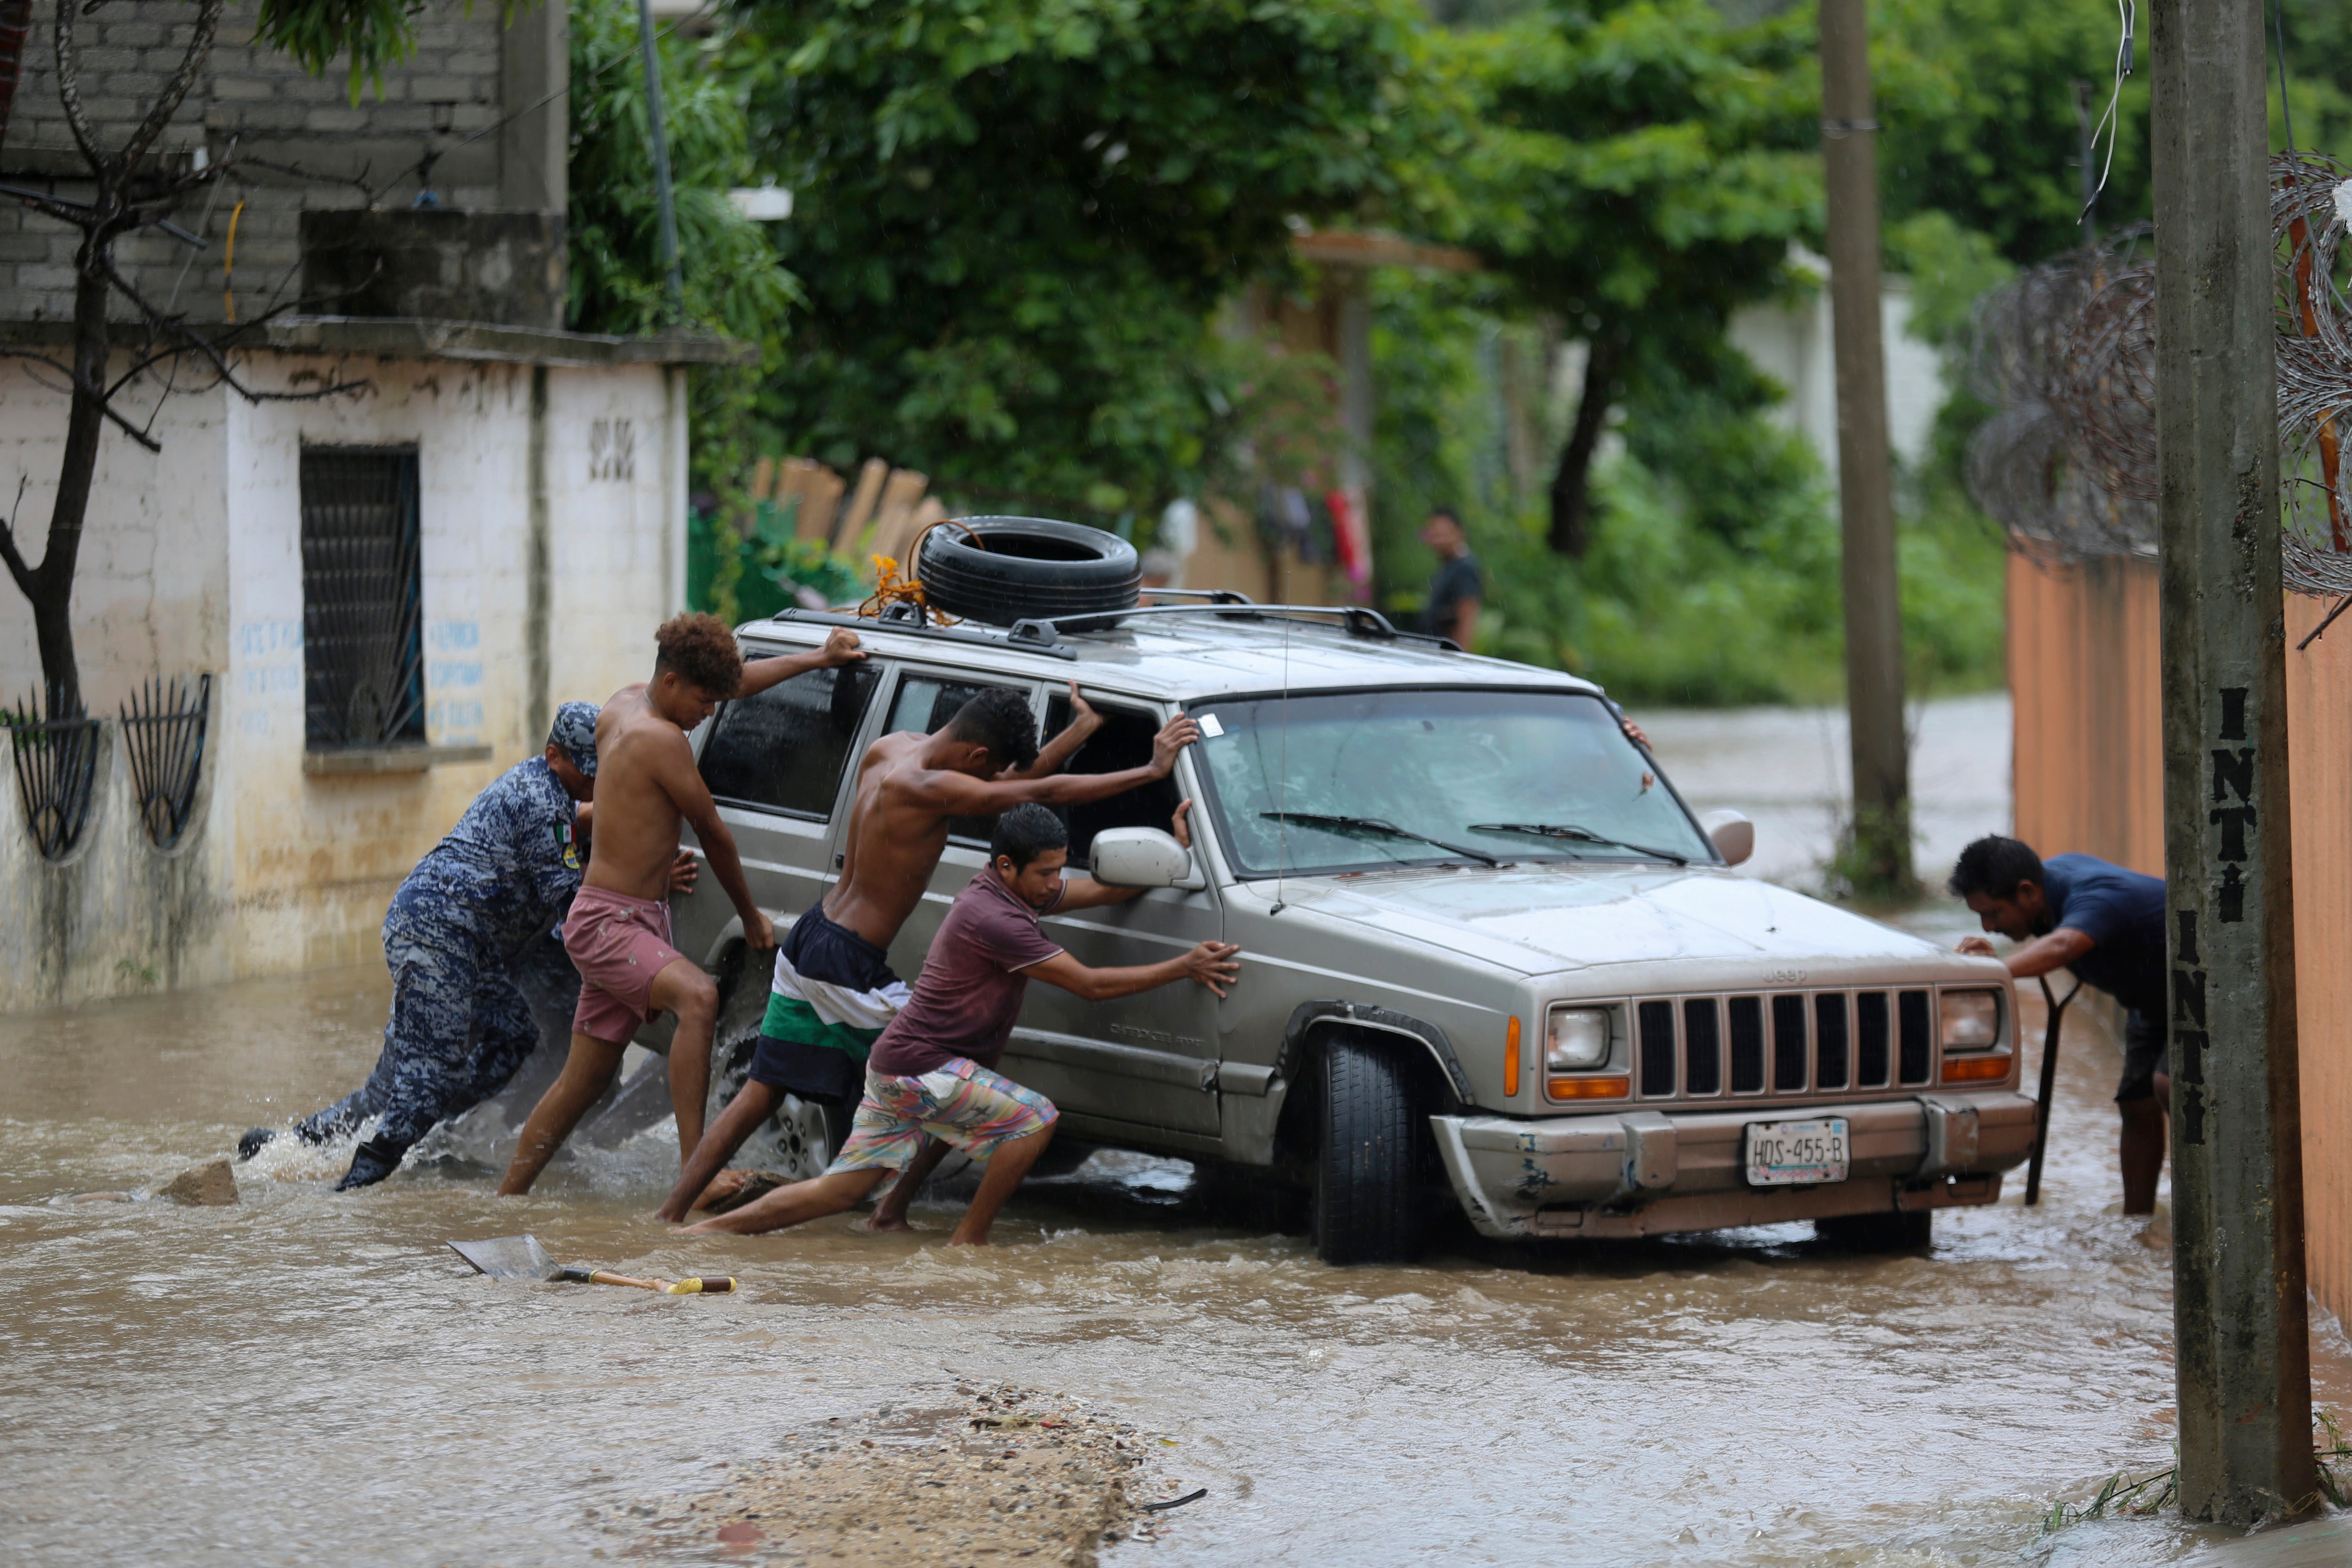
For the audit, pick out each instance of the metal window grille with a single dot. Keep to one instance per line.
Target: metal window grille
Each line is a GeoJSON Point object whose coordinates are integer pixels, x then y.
{"type": "Point", "coordinates": [164, 736]}
{"type": "Point", "coordinates": [363, 598]}
{"type": "Point", "coordinates": [56, 772]}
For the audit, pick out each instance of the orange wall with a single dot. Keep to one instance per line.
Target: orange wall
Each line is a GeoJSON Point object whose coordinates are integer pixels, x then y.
{"type": "Point", "coordinates": [2083, 673]}
{"type": "Point", "coordinates": [2088, 758]}
{"type": "Point", "coordinates": [2319, 755]}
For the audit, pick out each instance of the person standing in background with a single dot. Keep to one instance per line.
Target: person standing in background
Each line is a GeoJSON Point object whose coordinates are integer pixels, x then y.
{"type": "Point", "coordinates": [1456, 591]}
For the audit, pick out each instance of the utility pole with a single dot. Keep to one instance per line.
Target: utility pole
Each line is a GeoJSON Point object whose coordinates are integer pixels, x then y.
{"type": "Point", "coordinates": [657, 136]}
{"type": "Point", "coordinates": [2243, 1358]}
{"type": "Point", "coordinates": [1874, 605]}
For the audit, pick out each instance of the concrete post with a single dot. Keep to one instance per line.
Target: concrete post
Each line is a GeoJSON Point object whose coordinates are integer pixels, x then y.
{"type": "Point", "coordinates": [535, 69]}
{"type": "Point", "coordinates": [2242, 1355]}
{"type": "Point", "coordinates": [1874, 605]}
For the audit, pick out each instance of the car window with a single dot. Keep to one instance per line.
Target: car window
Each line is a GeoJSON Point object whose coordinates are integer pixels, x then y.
{"type": "Point", "coordinates": [784, 748]}
{"type": "Point", "coordinates": [924, 704]}
{"type": "Point", "coordinates": [1124, 741]}
{"type": "Point", "coordinates": [1349, 781]}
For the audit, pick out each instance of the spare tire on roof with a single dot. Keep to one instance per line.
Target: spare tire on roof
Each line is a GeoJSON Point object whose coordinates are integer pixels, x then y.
{"type": "Point", "coordinates": [1030, 568]}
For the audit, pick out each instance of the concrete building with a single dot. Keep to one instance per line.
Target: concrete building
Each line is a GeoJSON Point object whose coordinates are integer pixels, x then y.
{"type": "Point", "coordinates": [1793, 345]}
{"type": "Point", "coordinates": [390, 588]}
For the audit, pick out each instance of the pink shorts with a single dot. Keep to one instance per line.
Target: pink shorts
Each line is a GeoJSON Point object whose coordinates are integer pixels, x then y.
{"type": "Point", "coordinates": [618, 944]}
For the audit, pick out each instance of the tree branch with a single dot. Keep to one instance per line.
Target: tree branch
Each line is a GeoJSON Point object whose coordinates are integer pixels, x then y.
{"type": "Point", "coordinates": [208, 16]}
{"type": "Point", "coordinates": [175, 328]}
{"type": "Point", "coordinates": [58, 207]}
{"type": "Point", "coordinates": [16, 567]}
{"type": "Point", "coordinates": [69, 87]}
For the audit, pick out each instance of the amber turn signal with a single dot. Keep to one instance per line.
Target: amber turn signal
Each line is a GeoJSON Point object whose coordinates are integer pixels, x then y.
{"type": "Point", "coordinates": [1511, 1060]}
{"type": "Point", "coordinates": [1975, 1070]}
{"type": "Point", "coordinates": [1588, 1088]}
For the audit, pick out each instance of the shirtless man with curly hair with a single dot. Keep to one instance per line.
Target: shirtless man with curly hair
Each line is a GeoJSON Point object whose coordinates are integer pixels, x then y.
{"type": "Point", "coordinates": [618, 929]}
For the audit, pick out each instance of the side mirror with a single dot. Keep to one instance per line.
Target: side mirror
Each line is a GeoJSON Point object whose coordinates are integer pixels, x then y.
{"type": "Point", "coordinates": [1734, 834]}
{"type": "Point", "coordinates": [1138, 857]}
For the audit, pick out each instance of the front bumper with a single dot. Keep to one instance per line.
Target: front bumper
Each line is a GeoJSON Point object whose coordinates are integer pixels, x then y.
{"type": "Point", "coordinates": [1649, 1172]}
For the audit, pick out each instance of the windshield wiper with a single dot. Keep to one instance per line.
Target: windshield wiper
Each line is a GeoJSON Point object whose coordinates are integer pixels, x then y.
{"type": "Point", "coordinates": [1581, 834]}
{"type": "Point", "coordinates": [1373, 825]}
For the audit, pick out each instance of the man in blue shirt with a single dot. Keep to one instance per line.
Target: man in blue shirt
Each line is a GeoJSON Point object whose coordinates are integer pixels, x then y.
{"type": "Point", "coordinates": [2106, 924]}
{"type": "Point", "coordinates": [469, 943]}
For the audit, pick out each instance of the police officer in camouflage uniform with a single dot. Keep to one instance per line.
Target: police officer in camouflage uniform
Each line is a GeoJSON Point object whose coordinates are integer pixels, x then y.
{"type": "Point", "coordinates": [468, 942]}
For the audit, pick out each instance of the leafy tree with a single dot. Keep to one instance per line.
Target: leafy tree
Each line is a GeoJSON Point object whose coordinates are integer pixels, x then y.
{"type": "Point", "coordinates": [1017, 218]}
{"type": "Point", "coordinates": [1640, 169]}
{"type": "Point", "coordinates": [732, 281]}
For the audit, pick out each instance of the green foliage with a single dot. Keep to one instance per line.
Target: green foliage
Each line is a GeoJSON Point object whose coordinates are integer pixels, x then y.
{"type": "Point", "coordinates": [732, 279]}
{"type": "Point", "coordinates": [1017, 218]}
{"type": "Point", "coordinates": [374, 33]}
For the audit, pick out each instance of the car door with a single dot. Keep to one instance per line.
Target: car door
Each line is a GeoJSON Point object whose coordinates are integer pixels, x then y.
{"type": "Point", "coordinates": [779, 766]}
{"type": "Point", "coordinates": [1145, 1061]}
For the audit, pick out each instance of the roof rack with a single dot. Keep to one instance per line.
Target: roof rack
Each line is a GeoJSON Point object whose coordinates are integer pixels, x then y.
{"type": "Point", "coordinates": [907, 619]}
{"type": "Point", "coordinates": [1043, 634]}
{"type": "Point", "coordinates": [1356, 620]}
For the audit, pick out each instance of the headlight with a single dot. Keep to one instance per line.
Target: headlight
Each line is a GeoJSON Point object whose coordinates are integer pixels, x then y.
{"type": "Point", "coordinates": [1972, 1020]}
{"type": "Point", "coordinates": [1577, 1039]}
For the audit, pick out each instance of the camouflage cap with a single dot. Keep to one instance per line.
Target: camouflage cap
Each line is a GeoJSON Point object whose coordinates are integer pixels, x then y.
{"type": "Point", "coordinates": [575, 731]}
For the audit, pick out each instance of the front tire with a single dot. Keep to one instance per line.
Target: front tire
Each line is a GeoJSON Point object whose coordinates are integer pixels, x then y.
{"type": "Point", "coordinates": [1368, 1159]}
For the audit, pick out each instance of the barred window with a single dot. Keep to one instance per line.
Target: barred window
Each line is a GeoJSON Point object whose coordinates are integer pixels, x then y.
{"type": "Point", "coordinates": [363, 598]}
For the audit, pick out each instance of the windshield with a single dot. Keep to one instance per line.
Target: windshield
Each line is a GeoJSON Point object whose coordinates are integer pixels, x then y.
{"type": "Point", "coordinates": [1351, 781]}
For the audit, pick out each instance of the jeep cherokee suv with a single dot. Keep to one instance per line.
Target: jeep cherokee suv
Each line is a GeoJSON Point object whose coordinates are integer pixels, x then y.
{"type": "Point", "coordinates": [1485, 945]}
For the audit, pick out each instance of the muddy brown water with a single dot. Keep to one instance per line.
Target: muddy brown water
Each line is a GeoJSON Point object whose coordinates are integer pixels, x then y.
{"type": "Point", "coordinates": [307, 1378]}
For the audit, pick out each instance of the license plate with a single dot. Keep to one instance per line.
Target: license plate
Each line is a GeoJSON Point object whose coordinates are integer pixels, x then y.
{"type": "Point", "coordinates": [1797, 1154]}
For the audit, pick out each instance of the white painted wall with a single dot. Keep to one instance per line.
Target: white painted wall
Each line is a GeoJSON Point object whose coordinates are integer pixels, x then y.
{"type": "Point", "coordinates": [193, 562]}
{"type": "Point", "coordinates": [1793, 345]}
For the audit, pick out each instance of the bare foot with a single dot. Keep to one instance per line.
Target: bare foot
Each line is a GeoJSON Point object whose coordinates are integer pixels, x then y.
{"type": "Point", "coordinates": [876, 1224]}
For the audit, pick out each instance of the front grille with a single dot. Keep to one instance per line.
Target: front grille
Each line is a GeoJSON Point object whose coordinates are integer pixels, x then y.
{"type": "Point", "coordinates": [1702, 1048]}
{"type": "Point", "coordinates": [1783, 1042]}
{"type": "Point", "coordinates": [1830, 1058]}
{"type": "Point", "coordinates": [1747, 1044]}
{"type": "Point", "coordinates": [1872, 1059]}
{"type": "Point", "coordinates": [1788, 1044]}
{"type": "Point", "coordinates": [1911, 1012]}
{"type": "Point", "coordinates": [1657, 1024]}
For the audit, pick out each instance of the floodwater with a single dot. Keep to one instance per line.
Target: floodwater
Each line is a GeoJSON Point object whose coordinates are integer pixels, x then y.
{"type": "Point", "coordinates": [306, 1378]}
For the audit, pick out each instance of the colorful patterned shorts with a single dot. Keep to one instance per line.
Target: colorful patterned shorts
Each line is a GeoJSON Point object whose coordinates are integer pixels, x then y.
{"type": "Point", "coordinates": [963, 1102]}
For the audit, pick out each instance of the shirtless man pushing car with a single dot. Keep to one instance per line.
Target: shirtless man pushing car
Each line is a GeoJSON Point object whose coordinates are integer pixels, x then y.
{"type": "Point", "coordinates": [618, 930]}
{"type": "Point", "coordinates": [834, 992]}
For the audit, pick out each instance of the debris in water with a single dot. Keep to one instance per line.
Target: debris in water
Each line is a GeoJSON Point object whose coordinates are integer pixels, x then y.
{"type": "Point", "coordinates": [932, 1486]}
{"type": "Point", "coordinates": [212, 1184]}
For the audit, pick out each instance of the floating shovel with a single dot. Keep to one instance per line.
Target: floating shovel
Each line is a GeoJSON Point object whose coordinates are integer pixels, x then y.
{"type": "Point", "coordinates": [522, 1258]}
{"type": "Point", "coordinates": [2057, 1006]}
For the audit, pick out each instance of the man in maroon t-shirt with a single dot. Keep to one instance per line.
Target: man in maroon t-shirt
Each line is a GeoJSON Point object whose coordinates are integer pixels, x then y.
{"type": "Point", "coordinates": [933, 1070]}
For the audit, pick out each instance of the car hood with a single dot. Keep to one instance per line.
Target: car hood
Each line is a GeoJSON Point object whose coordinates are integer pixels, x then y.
{"type": "Point", "coordinates": [1540, 918]}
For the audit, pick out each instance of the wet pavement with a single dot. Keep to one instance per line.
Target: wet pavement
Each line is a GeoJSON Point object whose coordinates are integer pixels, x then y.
{"type": "Point", "coordinates": [307, 1378]}
{"type": "Point", "coordinates": [1787, 768]}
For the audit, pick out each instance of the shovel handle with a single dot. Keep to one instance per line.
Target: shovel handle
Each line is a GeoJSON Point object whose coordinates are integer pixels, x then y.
{"type": "Point", "coordinates": [606, 1277]}
{"type": "Point", "coordinates": [711, 1285]}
